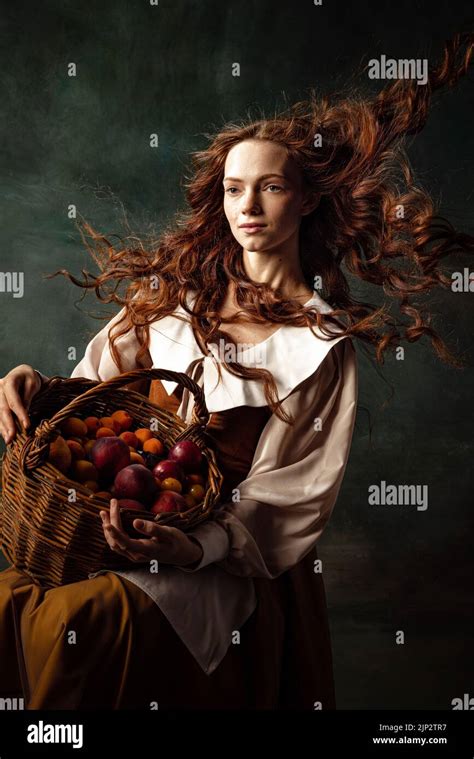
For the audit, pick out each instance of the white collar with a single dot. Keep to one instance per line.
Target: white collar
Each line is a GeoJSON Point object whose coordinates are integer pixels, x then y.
{"type": "Point", "coordinates": [291, 354]}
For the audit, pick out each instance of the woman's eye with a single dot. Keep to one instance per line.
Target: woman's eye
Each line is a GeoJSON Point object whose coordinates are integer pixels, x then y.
{"type": "Point", "coordinates": [277, 187]}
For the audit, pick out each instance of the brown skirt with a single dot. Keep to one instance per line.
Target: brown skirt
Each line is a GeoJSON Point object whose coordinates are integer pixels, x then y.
{"type": "Point", "coordinates": [104, 644]}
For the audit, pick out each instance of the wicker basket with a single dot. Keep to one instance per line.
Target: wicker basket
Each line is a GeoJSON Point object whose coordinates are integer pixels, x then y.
{"type": "Point", "coordinates": [57, 541]}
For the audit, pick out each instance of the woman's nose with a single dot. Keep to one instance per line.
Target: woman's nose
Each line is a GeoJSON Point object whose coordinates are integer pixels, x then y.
{"type": "Point", "coordinates": [250, 203]}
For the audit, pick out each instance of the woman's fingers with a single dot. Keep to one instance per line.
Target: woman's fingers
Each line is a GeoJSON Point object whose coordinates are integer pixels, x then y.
{"type": "Point", "coordinates": [7, 422]}
{"type": "Point", "coordinates": [118, 539]}
{"type": "Point", "coordinates": [115, 515]}
{"type": "Point", "coordinates": [117, 543]}
{"type": "Point", "coordinates": [153, 530]}
{"type": "Point", "coordinates": [11, 402]}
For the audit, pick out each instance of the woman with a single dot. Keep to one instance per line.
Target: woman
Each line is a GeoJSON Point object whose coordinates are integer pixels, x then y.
{"type": "Point", "coordinates": [236, 616]}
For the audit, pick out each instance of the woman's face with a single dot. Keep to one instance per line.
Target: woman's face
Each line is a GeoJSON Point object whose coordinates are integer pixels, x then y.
{"type": "Point", "coordinates": [262, 185]}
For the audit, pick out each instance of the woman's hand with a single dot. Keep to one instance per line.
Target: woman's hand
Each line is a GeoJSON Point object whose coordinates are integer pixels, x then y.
{"type": "Point", "coordinates": [17, 388]}
{"type": "Point", "coordinates": [166, 544]}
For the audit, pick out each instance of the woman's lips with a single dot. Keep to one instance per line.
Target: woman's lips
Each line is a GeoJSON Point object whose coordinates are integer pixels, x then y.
{"type": "Point", "coordinates": [252, 230]}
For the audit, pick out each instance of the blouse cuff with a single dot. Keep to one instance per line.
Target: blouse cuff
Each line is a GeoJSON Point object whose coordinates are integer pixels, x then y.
{"type": "Point", "coordinates": [214, 542]}
{"type": "Point", "coordinates": [44, 379]}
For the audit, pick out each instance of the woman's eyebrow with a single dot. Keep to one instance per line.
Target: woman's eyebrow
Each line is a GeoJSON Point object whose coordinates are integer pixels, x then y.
{"type": "Point", "coordinates": [264, 176]}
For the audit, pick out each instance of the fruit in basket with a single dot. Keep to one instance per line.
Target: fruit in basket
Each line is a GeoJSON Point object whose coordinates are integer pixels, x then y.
{"type": "Point", "coordinates": [197, 492]}
{"type": "Point", "coordinates": [59, 454]}
{"type": "Point", "coordinates": [187, 454]}
{"type": "Point", "coordinates": [195, 479]}
{"type": "Point", "coordinates": [143, 434]}
{"type": "Point", "coordinates": [168, 500]}
{"type": "Point", "coordinates": [154, 446]}
{"type": "Point", "coordinates": [80, 440]}
{"type": "Point", "coordinates": [88, 446]}
{"type": "Point", "coordinates": [92, 423]}
{"type": "Point", "coordinates": [82, 471]}
{"type": "Point", "coordinates": [130, 438]}
{"type": "Point", "coordinates": [77, 450]}
{"type": "Point", "coordinates": [105, 432]}
{"type": "Point", "coordinates": [103, 494]}
{"type": "Point", "coordinates": [91, 485]}
{"type": "Point", "coordinates": [123, 418]}
{"type": "Point", "coordinates": [73, 427]}
{"type": "Point", "coordinates": [170, 483]}
{"type": "Point", "coordinates": [168, 468]}
{"type": "Point", "coordinates": [111, 424]}
{"type": "Point", "coordinates": [135, 458]}
{"type": "Point", "coordinates": [136, 482]}
{"type": "Point", "coordinates": [110, 455]}
{"type": "Point", "coordinates": [129, 503]}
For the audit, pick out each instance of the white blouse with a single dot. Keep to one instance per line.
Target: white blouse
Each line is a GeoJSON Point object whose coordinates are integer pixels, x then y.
{"type": "Point", "coordinates": [289, 493]}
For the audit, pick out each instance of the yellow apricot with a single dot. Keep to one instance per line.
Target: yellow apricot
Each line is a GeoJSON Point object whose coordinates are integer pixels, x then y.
{"type": "Point", "coordinates": [123, 418]}
{"type": "Point", "coordinates": [105, 432]}
{"type": "Point", "coordinates": [82, 470]}
{"type": "Point", "coordinates": [170, 483]}
{"type": "Point", "coordinates": [143, 434]}
{"type": "Point", "coordinates": [93, 424]}
{"type": "Point", "coordinates": [135, 458]}
{"type": "Point", "coordinates": [73, 427]}
{"type": "Point", "coordinates": [153, 445]}
{"type": "Point", "coordinates": [60, 455]}
{"type": "Point", "coordinates": [77, 450]}
{"type": "Point", "coordinates": [111, 423]}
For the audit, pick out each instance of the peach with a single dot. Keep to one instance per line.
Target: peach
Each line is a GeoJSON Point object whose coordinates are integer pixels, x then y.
{"type": "Point", "coordinates": [110, 455]}
{"type": "Point", "coordinates": [187, 454]}
{"type": "Point", "coordinates": [91, 485]}
{"type": "Point", "coordinates": [167, 468]}
{"type": "Point", "coordinates": [169, 501]}
{"type": "Point", "coordinates": [136, 482]}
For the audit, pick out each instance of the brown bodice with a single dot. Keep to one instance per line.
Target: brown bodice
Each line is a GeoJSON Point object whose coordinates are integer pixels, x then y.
{"type": "Point", "coordinates": [233, 434]}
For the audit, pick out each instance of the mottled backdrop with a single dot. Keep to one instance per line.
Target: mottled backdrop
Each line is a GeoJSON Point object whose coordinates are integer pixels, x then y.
{"type": "Point", "coordinates": [167, 69]}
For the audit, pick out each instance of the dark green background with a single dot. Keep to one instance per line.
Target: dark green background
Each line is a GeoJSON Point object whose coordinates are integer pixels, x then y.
{"type": "Point", "coordinates": [85, 141]}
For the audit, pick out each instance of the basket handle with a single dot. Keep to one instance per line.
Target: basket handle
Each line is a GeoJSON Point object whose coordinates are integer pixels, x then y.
{"type": "Point", "coordinates": [30, 455]}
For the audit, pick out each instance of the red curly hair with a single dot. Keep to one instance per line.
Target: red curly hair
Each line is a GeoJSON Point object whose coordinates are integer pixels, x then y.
{"type": "Point", "coordinates": [364, 176]}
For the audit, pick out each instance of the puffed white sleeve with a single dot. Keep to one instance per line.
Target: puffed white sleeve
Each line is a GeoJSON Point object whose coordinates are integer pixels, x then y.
{"type": "Point", "coordinates": [291, 488]}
